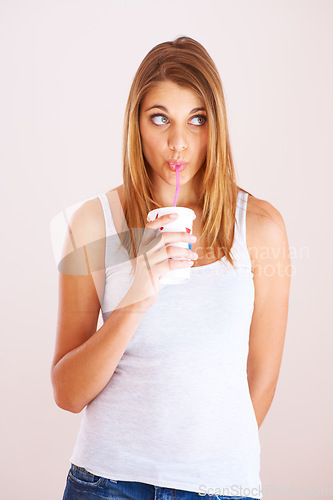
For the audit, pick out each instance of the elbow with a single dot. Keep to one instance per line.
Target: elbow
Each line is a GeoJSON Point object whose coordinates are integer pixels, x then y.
{"type": "Point", "coordinates": [262, 385]}
{"type": "Point", "coordinates": [63, 398]}
{"type": "Point", "coordinates": [67, 406]}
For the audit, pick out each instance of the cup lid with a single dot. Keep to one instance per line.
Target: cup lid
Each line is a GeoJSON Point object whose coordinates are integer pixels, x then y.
{"type": "Point", "coordinates": [169, 210]}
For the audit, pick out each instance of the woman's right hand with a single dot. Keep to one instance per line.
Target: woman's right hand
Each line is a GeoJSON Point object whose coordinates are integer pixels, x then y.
{"type": "Point", "coordinates": [152, 262]}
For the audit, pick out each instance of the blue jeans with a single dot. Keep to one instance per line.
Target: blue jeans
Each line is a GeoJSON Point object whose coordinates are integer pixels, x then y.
{"type": "Point", "coordinates": [82, 485]}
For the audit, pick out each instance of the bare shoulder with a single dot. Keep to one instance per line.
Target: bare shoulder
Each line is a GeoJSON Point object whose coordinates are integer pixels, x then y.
{"type": "Point", "coordinates": [84, 242]}
{"type": "Point", "coordinates": [87, 222]}
{"type": "Point", "coordinates": [265, 226]}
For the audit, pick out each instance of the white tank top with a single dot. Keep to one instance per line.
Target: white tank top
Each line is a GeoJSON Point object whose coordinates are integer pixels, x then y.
{"type": "Point", "coordinates": [177, 411]}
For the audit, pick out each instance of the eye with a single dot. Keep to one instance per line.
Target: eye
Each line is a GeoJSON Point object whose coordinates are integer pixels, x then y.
{"type": "Point", "coordinates": [202, 119]}
{"type": "Point", "coordinates": [158, 116]}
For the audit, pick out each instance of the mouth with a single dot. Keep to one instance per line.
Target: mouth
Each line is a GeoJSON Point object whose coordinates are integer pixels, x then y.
{"type": "Point", "coordinates": [172, 165]}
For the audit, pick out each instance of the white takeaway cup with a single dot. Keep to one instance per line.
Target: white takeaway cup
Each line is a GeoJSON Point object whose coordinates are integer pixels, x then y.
{"type": "Point", "coordinates": [183, 224]}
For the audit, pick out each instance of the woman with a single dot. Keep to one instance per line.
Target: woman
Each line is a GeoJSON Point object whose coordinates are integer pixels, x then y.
{"type": "Point", "coordinates": [179, 378]}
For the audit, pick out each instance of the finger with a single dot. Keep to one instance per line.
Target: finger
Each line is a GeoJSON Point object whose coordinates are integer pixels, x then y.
{"type": "Point", "coordinates": [164, 219]}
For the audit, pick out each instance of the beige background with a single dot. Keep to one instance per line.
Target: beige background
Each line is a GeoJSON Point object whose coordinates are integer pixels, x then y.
{"type": "Point", "coordinates": [66, 71]}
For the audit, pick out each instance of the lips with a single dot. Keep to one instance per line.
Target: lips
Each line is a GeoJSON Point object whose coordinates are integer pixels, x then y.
{"type": "Point", "coordinates": [172, 164]}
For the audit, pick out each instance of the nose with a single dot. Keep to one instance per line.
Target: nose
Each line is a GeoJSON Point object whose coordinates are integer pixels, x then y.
{"type": "Point", "coordinates": [177, 140]}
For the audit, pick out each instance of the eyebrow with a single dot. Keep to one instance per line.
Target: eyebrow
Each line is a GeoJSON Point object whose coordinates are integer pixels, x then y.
{"type": "Point", "coordinates": [194, 110]}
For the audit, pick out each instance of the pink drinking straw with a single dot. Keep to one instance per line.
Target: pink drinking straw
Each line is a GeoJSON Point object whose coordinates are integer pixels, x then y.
{"type": "Point", "coordinates": [176, 195]}
{"type": "Point", "coordinates": [177, 188]}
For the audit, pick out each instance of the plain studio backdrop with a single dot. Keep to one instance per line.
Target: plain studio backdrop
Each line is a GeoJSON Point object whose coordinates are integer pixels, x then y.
{"type": "Point", "coordinates": [66, 70]}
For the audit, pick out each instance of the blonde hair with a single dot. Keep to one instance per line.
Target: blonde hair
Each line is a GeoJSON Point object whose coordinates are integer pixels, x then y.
{"type": "Point", "coordinates": [185, 62]}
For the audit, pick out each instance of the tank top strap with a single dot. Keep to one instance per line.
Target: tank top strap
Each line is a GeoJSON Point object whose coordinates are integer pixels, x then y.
{"type": "Point", "coordinates": [241, 207]}
{"type": "Point", "coordinates": [112, 241]}
{"type": "Point", "coordinates": [241, 251]}
{"type": "Point", "coordinates": [109, 225]}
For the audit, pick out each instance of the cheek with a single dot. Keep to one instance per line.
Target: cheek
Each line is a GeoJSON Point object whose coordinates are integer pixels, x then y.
{"type": "Point", "coordinates": [203, 144]}
{"type": "Point", "coordinates": [151, 144]}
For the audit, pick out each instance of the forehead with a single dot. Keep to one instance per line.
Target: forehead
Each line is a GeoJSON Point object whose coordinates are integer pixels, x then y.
{"type": "Point", "coordinates": [170, 93]}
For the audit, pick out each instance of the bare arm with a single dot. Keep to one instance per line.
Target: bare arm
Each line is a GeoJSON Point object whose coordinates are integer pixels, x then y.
{"type": "Point", "coordinates": [85, 359]}
{"type": "Point", "coordinates": [91, 356]}
{"type": "Point", "coordinates": [83, 372]}
{"type": "Point", "coordinates": [270, 256]}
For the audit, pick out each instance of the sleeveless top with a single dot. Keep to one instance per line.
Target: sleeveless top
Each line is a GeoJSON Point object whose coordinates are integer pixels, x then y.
{"type": "Point", "coordinates": [177, 411]}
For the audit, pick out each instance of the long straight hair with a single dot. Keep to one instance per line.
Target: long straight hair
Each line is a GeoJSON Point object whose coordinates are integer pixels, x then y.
{"type": "Point", "coordinates": [186, 63]}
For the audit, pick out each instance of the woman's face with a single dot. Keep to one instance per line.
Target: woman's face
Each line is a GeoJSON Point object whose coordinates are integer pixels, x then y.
{"type": "Point", "coordinates": [172, 127]}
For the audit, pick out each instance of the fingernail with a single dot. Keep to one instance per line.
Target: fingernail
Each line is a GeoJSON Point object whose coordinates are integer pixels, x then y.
{"type": "Point", "coordinates": [192, 238]}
